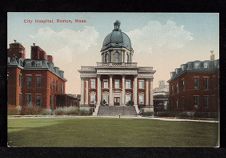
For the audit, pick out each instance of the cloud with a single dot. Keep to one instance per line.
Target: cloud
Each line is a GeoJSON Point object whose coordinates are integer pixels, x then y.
{"type": "Point", "coordinates": [157, 37]}
{"type": "Point", "coordinates": [69, 48]}
{"type": "Point", "coordinates": [66, 40]}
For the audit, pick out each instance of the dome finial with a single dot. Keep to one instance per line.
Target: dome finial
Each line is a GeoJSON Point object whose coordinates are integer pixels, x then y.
{"type": "Point", "coordinates": [116, 25]}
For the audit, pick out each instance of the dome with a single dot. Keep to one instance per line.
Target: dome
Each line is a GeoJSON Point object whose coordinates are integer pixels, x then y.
{"type": "Point", "coordinates": [117, 39]}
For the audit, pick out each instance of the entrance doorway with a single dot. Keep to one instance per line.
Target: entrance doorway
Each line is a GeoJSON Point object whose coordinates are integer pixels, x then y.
{"type": "Point", "coordinates": [117, 101]}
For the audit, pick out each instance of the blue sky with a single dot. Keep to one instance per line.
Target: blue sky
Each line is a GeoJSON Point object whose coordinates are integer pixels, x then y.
{"type": "Point", "coordinates": [161, 40]}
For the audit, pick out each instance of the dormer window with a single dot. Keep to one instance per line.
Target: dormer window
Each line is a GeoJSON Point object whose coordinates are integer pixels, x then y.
{"type": "Point", "coordinates": [205, 65]}
{"type": "Point", "coordinates": [32, 63]}
{"type": "Point", "coordinates": [196, 65]}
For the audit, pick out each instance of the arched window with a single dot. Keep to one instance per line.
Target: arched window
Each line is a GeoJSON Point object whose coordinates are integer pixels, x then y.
{"type": "Point", "coordinates": [106, 58]}
{"type": "Point", "coordinates": [128, 58]}
{"type": "Point", "coordinates": [116, 57]}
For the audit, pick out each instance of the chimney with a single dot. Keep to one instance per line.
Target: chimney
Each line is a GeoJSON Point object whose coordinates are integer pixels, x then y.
{"type": "Point", "coordinates": [37, 53]}
{"type": "Point", "coordinates": [14, 41]}
{"type": "Point", "coordinates": [50, 58]}
{"type": "Point", "coordinates": [212, 56]}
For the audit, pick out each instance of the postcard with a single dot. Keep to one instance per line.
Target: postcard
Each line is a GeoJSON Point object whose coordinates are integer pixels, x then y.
{"type": "Point", "coordinates": [85, 79]}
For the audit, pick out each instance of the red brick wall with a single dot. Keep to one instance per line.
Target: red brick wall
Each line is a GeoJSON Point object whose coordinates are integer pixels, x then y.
{"type": "Point", "coordinates": [45, 90]}
{"type": "Point", "coordinates": [14, 89]}
{"type": "Point", "coordinates": [190, 91]}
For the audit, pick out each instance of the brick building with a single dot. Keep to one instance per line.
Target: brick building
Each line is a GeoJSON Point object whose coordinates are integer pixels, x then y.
{"type": "Point", "coordinates": [35, 81]}
{"type": "Point", "coordinates": [195, 87]}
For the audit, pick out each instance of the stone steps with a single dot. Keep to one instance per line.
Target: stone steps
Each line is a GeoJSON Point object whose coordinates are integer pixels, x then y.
{"type": "Point", "coordinates": [117, 110]}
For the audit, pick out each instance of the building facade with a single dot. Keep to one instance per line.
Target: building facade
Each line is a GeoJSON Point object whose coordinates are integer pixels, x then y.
{"type": "Point", "coordinates": [195, 87]}
{"type": "Point", "coordinates": [116, 80]}
{"type": "Point", "coordinates": [160, 97]}
{"type": "Point", "coordinates": [35, 81]}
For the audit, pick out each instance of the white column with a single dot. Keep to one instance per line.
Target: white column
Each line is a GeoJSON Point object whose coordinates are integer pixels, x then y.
{"type": "Point", "coordinates": [82, 92]}
{"type": "Point", "coordinates": [151, 93]}
{"type": "Point", "coordinates": [98, 90]}
{"type": "Point", "coordinates": [123, 90]}
{"type": "Point", "coordinates": [135, 90]}
{"type": "Point", "coordinates": [86, 100]}
{"type": "Point", "coordinates": [110, 92]}
{"type": "Point", "coordinates": [146, 92]}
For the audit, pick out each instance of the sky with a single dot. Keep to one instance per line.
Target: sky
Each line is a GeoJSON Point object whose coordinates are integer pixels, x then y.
{"type": "Point", "coordinates": [163, 41]}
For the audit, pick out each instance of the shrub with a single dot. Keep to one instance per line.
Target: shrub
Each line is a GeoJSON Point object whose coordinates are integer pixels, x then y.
{"type": "Point", "coordinates": [165, 114]}
{"type": "Point", "coordinates": [129, 103]}
{"type": "Point", "coordinates": [34, 110]}
{"type": "Point", "coordinates": [148, 113]}
{"type": "Point", "coordinates": [14, 110]}
{"type": "Point", "coordinates": [185, 115]}
{"type": "Point", "coordinates": [71, 110]}
{"type": "Point", "coordinates": [85, 112]}
{"type": "Point", "coordinates": [206, 114]}
{"type": "Point", "coordinates": [46, 112]}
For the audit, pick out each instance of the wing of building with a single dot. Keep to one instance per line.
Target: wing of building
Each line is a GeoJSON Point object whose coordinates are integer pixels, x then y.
{"type": "Point", "coordinates": [116, 80]}
{"type": "Point", "coordinates": [35, 81]}
{"type": "Point", "coordinates": [195, 87]}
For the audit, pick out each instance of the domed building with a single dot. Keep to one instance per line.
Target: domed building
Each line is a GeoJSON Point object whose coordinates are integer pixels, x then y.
{"type": "Point", "coordinates": [116, 81]}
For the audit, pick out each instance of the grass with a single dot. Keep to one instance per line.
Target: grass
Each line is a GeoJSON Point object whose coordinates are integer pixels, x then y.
{"type": "Point", "coordinates": [109, 132]}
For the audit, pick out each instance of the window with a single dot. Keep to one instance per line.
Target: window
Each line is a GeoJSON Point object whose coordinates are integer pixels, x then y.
{"type": "Point", "coordinates": [128, 84]}
{"type": "Point", "coordinates": [93, 83]}
{"type": "Point", "coordinates": [206, 102]}
{"type": "Point", "coordinates": [196, 101]}
{"type": "Point", "coordinates": [128, 58]}
{"type": "Point", "coordinates": [172, 89]}
{"type": "Point", "coordinates": [182, 85]}
{"type": "Point", "coordinates": [205, 65]}
{"type": "Point", "coordinates": [106, 58]}
{"type": "Point", "coordinates": [105, 84]}
{"type": "Point", "coordinates": [29, 81]}
{"type": "Point", "coordinates": [128, 98]}
{"type": "Point", "coordinates": [38, 81]}
{"type": "Point", "coordinates": [177, 88]}
{"type": "Point", "coordinates": [92, 98]}
{"type": "Point", "coordinates": [116, 57]}
{"type": "Point", "coordinates": [206, 83]}
{"type": "Point", "coordinates": [141, 98]}
{"type": "Point", "coordinates": [29, 99]}
{"type": "Point", "coordinates": [38, 63]}
{"type": "Point", "coordinates": [117, 83]}
{"type": "Point", "coordinates": [196, 83]}
{"type": "Point", "coordinates": [196, 65]}
{"type": "Point", "coordinates": [39, 100]}
{"type": "Point", "coordinates": [141, 84]}
{"type": "Point", "coordinates": [62, 88]}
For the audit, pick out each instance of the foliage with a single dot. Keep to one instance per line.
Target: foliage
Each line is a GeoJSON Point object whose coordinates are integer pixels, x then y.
{"type": "Point", "coordinates": [148, 113]}
{"type": "Point", "coordinates": [165, 114]}
{"type": "Point", "coordinates": [14, 110]}
{"type": "Point", "coordinates": [71, 110]}
{"type": "Point", "coordinates": [30, 110]}
{"type": "Point", "coordinates": [130, 103]}
{"type": "Point", "coordinates": [84, 112]}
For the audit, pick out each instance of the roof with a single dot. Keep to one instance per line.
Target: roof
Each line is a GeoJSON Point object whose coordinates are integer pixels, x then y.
{"type": "Point", "coordinates": [117, 39]}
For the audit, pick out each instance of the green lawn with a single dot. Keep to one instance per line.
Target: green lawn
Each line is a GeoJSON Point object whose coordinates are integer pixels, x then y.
{"type": "Point", "coordinates": [109, 132]}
